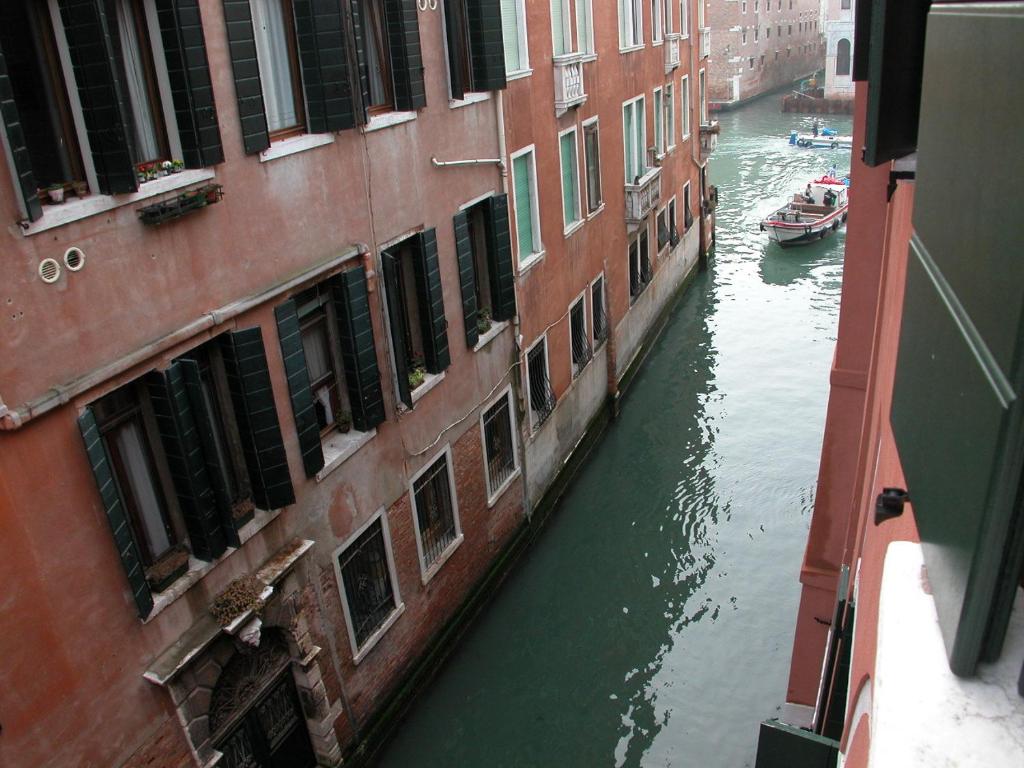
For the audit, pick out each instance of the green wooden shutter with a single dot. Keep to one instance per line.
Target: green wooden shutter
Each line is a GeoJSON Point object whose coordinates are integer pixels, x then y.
{"type": "Point", "coordinates": [433, 324]}
{"type": "Point", "coordinates": [524, 205]}
{"type": "Point", "coordinates": [117, 516]}
{"type": "Point", "coordinates": [467, 276]}
{"type": "Point", "coordinates": [245, 362]}
{"type": "Point", "coordinates": [324, 60]}
{"type": "Point", "coordinates": [358, 350]}
{"type": "Point", "coordinates": [403, 30]}
{"type": "Point", "coordinates": [186, 462]}
{"type": "Point", "coordinates": [957, 409]}
{"type": "Point", "coordinates": [360, 57]}
{"type": "Point", "coordinates": [567, 151]}
{"type": "Point", "coordinates": [188, 71]}
{"type": "Point", "coordinates": [780, 745]}
{"type": "Point", "coordinates": [454, 26]}
{"type": "Point", "coordinates": [499, 251]}
{"type": "Point", "coordinates": [289, 336]}
{"type": "Point", "coordinates": [510, 35]}
{"type": "Point", "coordinates": [246, 68]}
{"type": "Point", "coordinates": [486, 45]}
{"type": "Point", "coordinates": [104, 106]}
{"type": "Point", "coordinates": [15, 139]}
{"type": "Point", "coordinates": [396, 319]}
{"type": "Point", "coordinates": [558, 28]}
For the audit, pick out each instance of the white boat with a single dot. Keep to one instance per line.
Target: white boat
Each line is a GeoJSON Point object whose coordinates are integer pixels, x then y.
{"type": "Point", "coordinates": [821, 141]}
{"type": "Point", "coordinates": [811, 215]}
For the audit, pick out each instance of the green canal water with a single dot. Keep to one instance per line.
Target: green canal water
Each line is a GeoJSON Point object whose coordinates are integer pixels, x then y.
{"type": "Point", "coordinates": [651, 623]}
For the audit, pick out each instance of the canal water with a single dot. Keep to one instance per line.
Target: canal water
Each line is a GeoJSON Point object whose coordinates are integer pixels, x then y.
{"type": "Point", "coordinates": [651, 623]}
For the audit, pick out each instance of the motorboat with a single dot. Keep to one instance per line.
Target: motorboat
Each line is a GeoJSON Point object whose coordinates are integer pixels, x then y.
{"type": "Point", "coordinates": [826, 139]}
{"type": "Point", "coordinates": [812, 214]}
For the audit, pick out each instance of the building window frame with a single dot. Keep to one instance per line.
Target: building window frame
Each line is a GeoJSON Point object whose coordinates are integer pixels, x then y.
{"type": "Point", "coordinates": [581, 349]}
{"type": "Point", "coordinates": [684, 106]}
{"type": "Point", "coordinates": [542, 405]}
{"type": "Point", "coordinates": [658, 105]}
{"type": "Point", "coordinates": [518, 7]}
{"type": "Point", "coordinates": [526, 260]}
{"type": "Point", "coordinates": [657, 22]}
{"type": "Point", "coordinates": [595, 191]}
{"type": "Point", "coordinates": [504, 397]}
{"type": "Point", "coordinates": [290, 62]}
{"type": "Point", "coordinates": [631, 25]}
{"type": "Point", "coordinates": [571, 220]}
{"type": "Point", "coordinates": [441, 556]}
{"type": "Point", "coordinates": [684, 19]}
{"type": "Point", "coordinates": [598, 330]}
{"type": "Point", "coordinates": [637, 110]}
{"type": "Point", "coordinates": [669, 106]}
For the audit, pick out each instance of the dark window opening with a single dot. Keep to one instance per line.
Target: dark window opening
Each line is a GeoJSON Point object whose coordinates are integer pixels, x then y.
{"type": "Point", "coordinates": [376, 63]}
{"type": "Point", "coordinates": [499, 448]}
{"type": "Point", "coordinates": [662, 226]}
{"type": "Point", "coordinates": [843, 57]}
{"type": "Point", "coordinates": [581, 349]}
{"type": "Point", "coordinates": [673, 232]}
{"type": "Point", "coordinates": [598, 313]}
{"type": "Point", "coordinates": [435, 515]}
{"type": "Point", "coordinates": [280, 76]}
{"type": "Point", "coordinates": [407, 308]}
{"type": "Point", "coordinates": [592, 152]}
{"type": "Point", "coordinates": [319, 328]}
{"type": "Point", "coordinates": [366, 580]}
{"type": "Point", "coordinates": [482, 266]}
{"type": "Point", "coordinates": [457, 40]}
{"type": "Point", "coordinates": [687, 213]}
{"type": "Point", "coordinates": [542, 397]}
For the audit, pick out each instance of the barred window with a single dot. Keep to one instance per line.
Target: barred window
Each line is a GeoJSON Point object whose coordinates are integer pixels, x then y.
{"type": "Point", "coordinates": [499, 444]}
{"type": "Point", "coordinates": [542, 398]}
{"type": "Point", "coordinates": [598, 315]}
{"type": "Point", "coordinates": [581, 350]}
{"type": "Point", "coordinates": [366, 582]}
{"type": "Point", "coordinates": [436, 521]}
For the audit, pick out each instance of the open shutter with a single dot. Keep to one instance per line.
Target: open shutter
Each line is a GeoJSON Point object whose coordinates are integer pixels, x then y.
{"type": "Point", "coordinates": [433, 324]}
{"type": "Point", "coordinates": [454, 24]}
{"type": "Point", "coordinates": [396, 319]}
{"type": "Point", "coordinates": [499, 250]}
{"type": "Point", "coordinates": [17, 149]}
{"type": "Point", "coordinates": [186, 463]}
{"type": "Point", "coordinates": [363, 83]}
{"type": "Point", "coordinates": [246, 69]}
{"type": "Point", "coordinates": [467, 276]}
{"type": "Point", "coordinates": [104, 106]}
{"type": "Point", "coordinates": [358, 351]}
{"type": "Point", "coordinates": [117, 516]}
{"type": "Point", "coordinates": [245, 363]}
{"type": "Point", "coordinates": [486, 46]}
{"type": "Point", "coordinates": [406, 59]}
{"type": "Point", "coordinates": [290, 337]}
{"type": "Point", "coordinates": [188, 71]}
{"type": "Point", "coordinates": [325, 82]}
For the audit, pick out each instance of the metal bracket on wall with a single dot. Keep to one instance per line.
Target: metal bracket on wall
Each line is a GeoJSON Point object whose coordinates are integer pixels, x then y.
{"type": "Point", "coordinates": [904, 169]}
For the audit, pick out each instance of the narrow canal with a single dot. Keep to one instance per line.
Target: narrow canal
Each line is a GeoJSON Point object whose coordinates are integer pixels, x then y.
{"type": "Point", "coordinates": [651, 623]}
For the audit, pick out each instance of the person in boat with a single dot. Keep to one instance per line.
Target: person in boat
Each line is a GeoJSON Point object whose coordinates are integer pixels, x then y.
{"type": "Point", "coordinates": [815, 128]}
{"type": "Point", "coordinates": [829, 198]}
{"type": "Point", "coordinates": [808, 194]}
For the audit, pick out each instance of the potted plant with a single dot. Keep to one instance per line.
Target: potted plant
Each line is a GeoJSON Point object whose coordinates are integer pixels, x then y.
{"type": "Point", "coordinates": [241, 595]}
{"type": "Point", "coordinates": [344, 421]}
{"type": "Point", "coordinates": [242, 511]}
{"type": "Point", "coordinates": [80, 188]}
{"type": "Point", "coordinates": [167, 569]}
{"type": "Point", "coordinates": [417, 372]}
{"type": "Point", "coordinates": [483, 320]}
{"type": "Point", "coordinates": [56, 193]}
{"type": "Point", "coordinates": [177, 166]}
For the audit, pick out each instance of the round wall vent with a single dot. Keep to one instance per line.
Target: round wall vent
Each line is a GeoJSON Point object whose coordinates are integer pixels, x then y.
{"type": "Point", "coordinates": [74, 259]}
{"type": "Point", "coordinates": [49, 270]}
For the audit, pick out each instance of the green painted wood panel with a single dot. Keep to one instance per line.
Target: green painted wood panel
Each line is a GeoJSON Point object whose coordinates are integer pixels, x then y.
{"type": "Point", "coordinates": [358, 349]}
{"type": "Point", "coordinates": [289, 336]}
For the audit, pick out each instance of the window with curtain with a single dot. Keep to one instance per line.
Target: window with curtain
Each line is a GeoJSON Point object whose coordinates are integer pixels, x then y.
{"type": "Point", "coordinates": [592, 157]}
{"type": "Point", "coordinates": [377, 57]}
{"type": "Point", "coordinates": [276, 51]}
{"type": "Point", "coordinates": [631, 28]}
{"type": "Point", "coordinates": [513, 32]}
{"type": "Point", "coordinates": [570, 178]}
{"type": "Point", "coordinates": [635, 137]}
{"type": "Point", "coordinates": [524, 187]}
{"type": "Point", "coordinates": [320, 344]}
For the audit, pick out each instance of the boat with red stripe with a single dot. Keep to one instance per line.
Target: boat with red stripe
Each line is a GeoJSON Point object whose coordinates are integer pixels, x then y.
{"type": "Point", "coordinates": [812, 214]}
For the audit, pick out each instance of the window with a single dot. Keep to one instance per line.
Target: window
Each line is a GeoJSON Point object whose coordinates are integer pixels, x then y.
{"type": "Point", "coordinates": [750, 62]}
{"type": "Point", "coordinates": [567, 15]}
{"type": "Point", "coordinates": [843, 57]}
{"type": "Point", "coordinates": [376, 59]}
{"type": "Point", "coordinates": [388, 52]}
{"type": "Point", "coordinates": [687, 214]}
{"type": "Point", "coordinates": [659, 122]}
{"type": "Point", "coordinates": [435, 513]}
{"type": "Point", "coordinates": [684, 18]}
{"type": "Point", "coordinates": [743, 36]}
{"type": "Point", "coordinates": [743, 6]}
{"type": "Point", "coordinates": [599, 315]}
{"type": "Point", "coordinates": [662, 229]}
{"type": "Point", "coordinates": [702, 94]}
{"type": "Point", "coordinates": [667, 15]}
{"type": "Point", "coordinates": [631, 30]}
{"type": "Point", "coordinates": [592, 157]}
{"type": "Point", "coordinates": [579, 338]}
{"type": "Point", "coordinates": [639, 265]}
{"type": "Point", "coordinates": [789, 31]}
{"type": "Point", "coordinates": [570, 178]}
{"type": "Point", "coordinates": [673, 232]}
{"type": "Point", "coordinates": [524, 184]}
{"type": "Point", "coordinates": [761, 63]}
{"type": "Point", "coordinates": [319, 332]}
{"type": "Point", "coordinates": [585, 26]}
{"type": "Point", "coordinates": [513, 33]}
{"type": "Point", "coordinates": [415, 306]}
{"type": "Point", "coordinates": [277, 52]}
{"type": "Point", "coordinates": [635, 135]}
{"type": "Point", "coordinates": [369, 588]}
{"type": "Point", "coordinates": [542, 397]}
{"type": "Point", "coordinates": [684, 98]}
{"type": "Point", "coordinates": [670, 117]}
{"type": "Point", "coordinates": [561, 27]}
{"type": "Point", "coordinates": [757, 31]}
{"type": "Point", "coordinates": [656, 20]}
{"type": "Point", "coordinates": [500, 461]}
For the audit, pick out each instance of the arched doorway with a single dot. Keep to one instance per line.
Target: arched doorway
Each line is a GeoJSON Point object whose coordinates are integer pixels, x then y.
{"type": "Point", "coordinates": [255, 716]}
{"type": "Point", "coordinates": [843, 57]}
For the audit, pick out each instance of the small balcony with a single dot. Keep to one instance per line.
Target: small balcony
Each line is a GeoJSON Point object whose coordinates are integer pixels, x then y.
{"type": "Point", "coordinates": [705, 43]}
{"type": "Point", "coordinates": [569, 90]}
{"type": "Point", "coordinates": [671, 51]}
{"type": "Point", "coordinates": [708, 138]}
{"type": "Point", "coordinates": [642, 197]}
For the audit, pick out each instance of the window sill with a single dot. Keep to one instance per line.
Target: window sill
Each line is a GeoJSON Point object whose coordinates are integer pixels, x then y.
{"type": "Point", "coordinates": [74, 210]}
{"type": "Point", "coordinates": [525, 265]}
{"type": "Point", "coordinates": [387, 120]}
{"type": "Point", "coordinates": [632, 48]}
{"type": "Point", "coordinates": [493, 332]}
{"type": "Point", "coordinates": [341, 446]}
{"type": "Point", "coordinates": [518, 75]}
{"type": "Point", "coordinates": [492, 499]}
{"type": "Point", "coordinates": [588, 57]}
{"type": "Point", "coordinates": [295, 144]}
{"type": "Point", "coordinates": [373, 639]}
{"type": "Point", "coordinates": [427, 575]}
{"type": "Point", "coordinates": [573, 228]}
{"type": "Point", "coordinates": [471, 98]}
{"type": "Point", "coordinates": [596, 211]}
{"type": "Point", "coordinates": [657, 43]}
{"type": "Point", "coordinates": [431, 381]}
{"type": "Point", "coordinates": [197, 569]}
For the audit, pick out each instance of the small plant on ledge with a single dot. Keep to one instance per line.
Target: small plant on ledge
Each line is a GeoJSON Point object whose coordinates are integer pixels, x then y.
{"type": "Point", "coordinates": [417, 372]}
{"type": "Point", "coordinates": [483, 320]}
{"type": "Point", "coordinates": [242, 511]}
{"type": "Point", "coordinates": [167, 569]}
{"type": "Point", "coordinates": [243, 594]}
{"type": "Point", "coordinates": [344, 421]}
{"type": "Point", "coordinates": [56, 193]}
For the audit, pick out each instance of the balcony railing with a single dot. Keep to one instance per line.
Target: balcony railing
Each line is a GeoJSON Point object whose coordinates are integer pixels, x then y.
{"type": "Point", "coordinates": [705, 43]}
{"type": "Point", "coordinates": [708, 139]}
{"type": "Point", "coordinates": [569, 90]}
{"type": "Point", "coordinates": [643, 197]}
{"type": "Point", "coordinates": [671, 51]}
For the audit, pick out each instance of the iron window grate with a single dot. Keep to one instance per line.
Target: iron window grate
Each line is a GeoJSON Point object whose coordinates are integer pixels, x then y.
{"type": "Point", "coordinates": [542, 398]}
{"type": "Point", "coordinates": [367, 582]}
{"type": "Point", "coordinates": [434, 512]}
{"type": "Point", "coordinates": [498, 446]}
{"type": "Point", "coordinates": [581, 349]}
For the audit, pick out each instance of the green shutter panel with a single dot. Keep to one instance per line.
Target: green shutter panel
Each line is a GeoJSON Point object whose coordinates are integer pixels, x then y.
{"type": "Point", "coordinates": [486, 44]}
{"type": "Point", "coordinates": [467, 276]}
{"type": "Point", "coordinates": [15, 139]}
{"type": "Point", "coordinates": [290, 337]}
{"type": "Point", "coordinates": [245, 363]}
{"type": "Point", "coordinates": [499, 251]}
{"type": "Point", "coordinates": [524, 203]}
{"type": "Point", "coordinates": [188, 71]}
{"type": "Point", "coordinates": [433, 324]}
{"type": "Point", "coordinates": [324, 62]}
{"type": "Point", "coordinates": [396, 319]}
{"type": "Point", "coordinates": [454, 24]}
{"type": "Point", "coordinates": [104, 106]}
{"type": "Point", "coordinates": [403, 30]}
{"type": "Point", "coordinates": [358, 351]}
{"type": "Point", "coordinates": [360, 56]}
{"type": "Point", "coordinates": [186, 463]}
{"type": "Point", "coordinates": [246, 69]}
{"type": "Point", "coordinates": [117, 516]}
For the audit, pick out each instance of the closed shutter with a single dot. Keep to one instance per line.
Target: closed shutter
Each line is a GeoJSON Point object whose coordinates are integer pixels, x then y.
{"type": "Point", "coordinates": [524, 205]}
{"type": "Point", "coordinates": [433, 324]}
{"type": "Point", "coordinates": [188, 71]}
{"type": "Point", "coordinates": [567, 151]}
{"type": "Point", "coordinates": [363, 102]}
{"type": "Point", "coordinates": [957, 409]}
{"type": "Point", "coordinates": [455, 35]}
{"type": "Point", "coordinates": [499, 250]}
{"type": "Point", "coordinates": [117, 516]}
{"type": "Point", "coordinates": [186, 463]}
{"type": "Point", "coordinates": [510, 35]}
{"type": "Point", "coordinates": [358, 350]}
{"type": "Point", "coordinates": [104, 108]}
{"type": "Point", "coordinates": [558, 28]}
{"type": "Point", "coordinates": [396, 319]}
{"type": "Point", "coordinates": [403, 29]}
{"type": "Point", "coordinates": [245, 363]}
{"type": "Point", "coordinates": [14, 138]}
{"type": "Point", "coordinates": [486, 46]}
{"type": "Point", "coordinates": [245, 66]}
{"type": "Point", "coordinates": [467, 276]}
{"type": "Point", "coordinates": [325, 82]}
{"type": "Point", "coordinates": [306, 426]}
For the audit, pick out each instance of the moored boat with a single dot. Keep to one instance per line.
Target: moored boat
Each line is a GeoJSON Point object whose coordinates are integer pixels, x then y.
{"type": "Point", "coordinates": [811, 215]}
{"type": "Point", "coordinates": [823, 140]}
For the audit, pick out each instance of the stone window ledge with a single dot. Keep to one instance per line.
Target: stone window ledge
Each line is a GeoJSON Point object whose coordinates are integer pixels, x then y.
{"type": "Point", "coordinates": [431, 381]}
{"type": "Point", "coordinates": [295, 144]}
{"type": "Point", "coordinates": [493, 332]}
{"type": "Point", "coordinates": [387, 120]}
{"type": "Point", "coordinates": [340, 447]}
